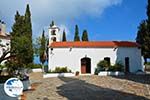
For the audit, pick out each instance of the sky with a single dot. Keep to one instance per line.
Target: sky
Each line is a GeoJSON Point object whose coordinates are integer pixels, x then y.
{"type": "Point", "coordinates": [105, 20]}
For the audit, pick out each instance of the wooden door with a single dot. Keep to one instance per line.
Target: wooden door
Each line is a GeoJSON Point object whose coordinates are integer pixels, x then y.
{"type": "Point", "coordinates": [127, 70]}
{"type": "Point", "coordinates": [83, 66]}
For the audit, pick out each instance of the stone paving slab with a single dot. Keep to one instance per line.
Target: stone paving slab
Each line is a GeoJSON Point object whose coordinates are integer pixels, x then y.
{"type": "Point", "coordinates": [89, 88]}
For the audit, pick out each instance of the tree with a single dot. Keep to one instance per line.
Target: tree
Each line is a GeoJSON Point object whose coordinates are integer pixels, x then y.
{"type": "Point", "coordinates": [21, 39]}
{"type": "Point", "coordinates": [76, 37]}
{"type": "Point", "coordinates": [41, 49]}
{"type": "Point", "coordinates": [64, 36]}
{"type": "Point", "coordinates": [143, 35]}
{"type": "Point", "coordinates": [17, 31]}
{"type": "Point", "coordinates": [142, 39]}
{"type": "Point", "coordinates": [28, 34]}
{"type": "Point", "coordinates": [148, 12]}
{"type": "Point", "coordinates": [85, 36]}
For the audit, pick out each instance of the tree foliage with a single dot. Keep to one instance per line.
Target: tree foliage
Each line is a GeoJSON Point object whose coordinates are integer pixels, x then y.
{"type": "Point", "coordinates": [42, 49]}
{"type": "Point", "coordinates": [64, 36]}
{"type": "Point", "coordinates": [28, 34]}
{"type": "Point", "coordinates": [143, 35]}
{"type": "Point", "coordinates": [85, 36]}
{"type": "Point", "coordinates": [143, 39]}
{"type": "Point", "coordinates": [148, 12]}
{"type": "Point", "coordinates": [76, 37]}
{"type": "Point", "coordinates": [21, 39]}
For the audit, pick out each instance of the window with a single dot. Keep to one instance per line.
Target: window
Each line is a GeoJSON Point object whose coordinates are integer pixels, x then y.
{"type": "Point", "coordinates": [107, 59]}
{"type": "Point", "coordinates": [7, 44]}
{"type": "Point", "coordinates": [53, 39]}
{"type": "Point", "coordinates": [53, 32]}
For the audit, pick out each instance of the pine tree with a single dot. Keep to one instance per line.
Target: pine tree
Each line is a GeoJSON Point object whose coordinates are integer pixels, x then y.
{"type": "Point", "coordinates": [16, 33]}
{"type": "Point", "coordinates": [64, 36]}
{"type": "Point", "coordinates": [17, 40]}
{"type": "Point", "coordinates": [28, 33]}
{"type": "Point", "coordinates": [85, 36]}
{"type": "Point", "coordinates": [142, 39]}
{"type": "Point", "coordinates": [42, 50]}
{"type": "Point", "coordinates": [148, 12]}
{"type": "Point", "coordinates": [21, 39]}
{"type": "Point", "coordinates": [76, 37]}
{"type": "Point", "coordinates": [147, 36]}
{"type": "Point", "coordinates": [143, 35]}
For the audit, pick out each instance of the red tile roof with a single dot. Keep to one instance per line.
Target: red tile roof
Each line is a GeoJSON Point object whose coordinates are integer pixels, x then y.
{"type": "Point", "coordinates": [93, 44]}
{"type": "Point", "coordinates": [7, 37]}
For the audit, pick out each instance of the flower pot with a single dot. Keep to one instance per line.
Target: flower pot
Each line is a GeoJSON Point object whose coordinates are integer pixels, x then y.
{"type": "Point", "coordinates": [26, 84]}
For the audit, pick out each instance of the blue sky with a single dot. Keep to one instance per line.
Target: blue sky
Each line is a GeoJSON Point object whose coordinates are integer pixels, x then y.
{"type": "Point", "coordinates": [103, 19]}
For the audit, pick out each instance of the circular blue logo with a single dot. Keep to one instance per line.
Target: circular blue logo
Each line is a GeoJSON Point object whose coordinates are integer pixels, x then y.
{"type": "Point", "coordinates": [13, 87]}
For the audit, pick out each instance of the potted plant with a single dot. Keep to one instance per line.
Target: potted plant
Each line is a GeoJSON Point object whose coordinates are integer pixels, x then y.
{"type": "Point", "coordinates": [24, 77]}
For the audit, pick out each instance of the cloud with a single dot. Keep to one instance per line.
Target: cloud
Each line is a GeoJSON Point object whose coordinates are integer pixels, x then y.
{"type": "Point", "coordinates": [64, 28]}
{"type": "Point", "coordinates": [62, 11]}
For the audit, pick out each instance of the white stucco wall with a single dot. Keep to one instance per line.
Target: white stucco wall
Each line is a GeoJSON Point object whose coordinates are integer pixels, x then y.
{"type": "Point", "coordinates": [6, 43]}
{"type": "Point", "coordinates": [58, 38]}
{"type": "Point", "coordinates": [135, 58]}
{"type": "Point", "coordinates": [71, 57]}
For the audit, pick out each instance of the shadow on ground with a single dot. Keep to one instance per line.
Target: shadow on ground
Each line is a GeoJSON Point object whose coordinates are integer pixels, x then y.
{"type": "Point", "coordinates": [75, 89]}
{"type": "Point", "coordinates": [144, 79]}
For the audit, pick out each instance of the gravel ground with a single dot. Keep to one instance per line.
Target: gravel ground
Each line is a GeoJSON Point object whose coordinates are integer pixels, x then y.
{"type": "Point", "coordinates": [129, 87]}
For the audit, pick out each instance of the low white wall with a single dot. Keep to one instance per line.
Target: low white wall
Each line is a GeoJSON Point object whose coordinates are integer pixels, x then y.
{"type": "Point", "coordinates": [37, 70]}
{"type": "Point", "coordinates": [58, 75]}
{"type": "Point", "coordinates": [105, 73]}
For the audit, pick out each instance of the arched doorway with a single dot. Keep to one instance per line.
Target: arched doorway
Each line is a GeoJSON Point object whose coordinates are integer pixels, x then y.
{"type": "Point", "coordinates": [85, 65]}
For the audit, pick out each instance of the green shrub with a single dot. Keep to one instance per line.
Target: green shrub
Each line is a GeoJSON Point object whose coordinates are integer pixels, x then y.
{"type": "Point", "coordinates": [97, 70]}
{"type": "Point", "coordinates": [148, 63]}
{"type": "Point", "coordinates": [117, 67]}
{"type": "Point", "coordinates": [34, 66]}
{"type": "Point", "coordinates": [60, 70]}
{"type": "Point", "coordinates": [104, 66]}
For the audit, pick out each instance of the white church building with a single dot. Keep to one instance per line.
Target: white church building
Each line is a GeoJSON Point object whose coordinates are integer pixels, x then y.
{"type": "Point", "coordinates": [84, 56]}
{"type": "Point", "coordinates": [4, 39]}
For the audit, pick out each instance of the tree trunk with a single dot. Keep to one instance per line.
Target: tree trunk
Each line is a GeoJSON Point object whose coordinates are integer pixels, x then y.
{"type": "Point", "coordinates": [43, 67]}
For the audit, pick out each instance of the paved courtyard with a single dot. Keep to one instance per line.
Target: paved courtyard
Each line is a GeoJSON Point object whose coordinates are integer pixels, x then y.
{"type": "Point", "coordinates": [90, 88]}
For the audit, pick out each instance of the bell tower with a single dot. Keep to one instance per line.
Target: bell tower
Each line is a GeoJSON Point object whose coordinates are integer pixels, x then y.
{"type": "Point", "coordinates": [54, 35]}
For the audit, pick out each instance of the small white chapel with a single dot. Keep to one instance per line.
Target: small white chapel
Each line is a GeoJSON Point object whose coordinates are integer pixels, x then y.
{"type": "Point", "coordinates": [84, 56]}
